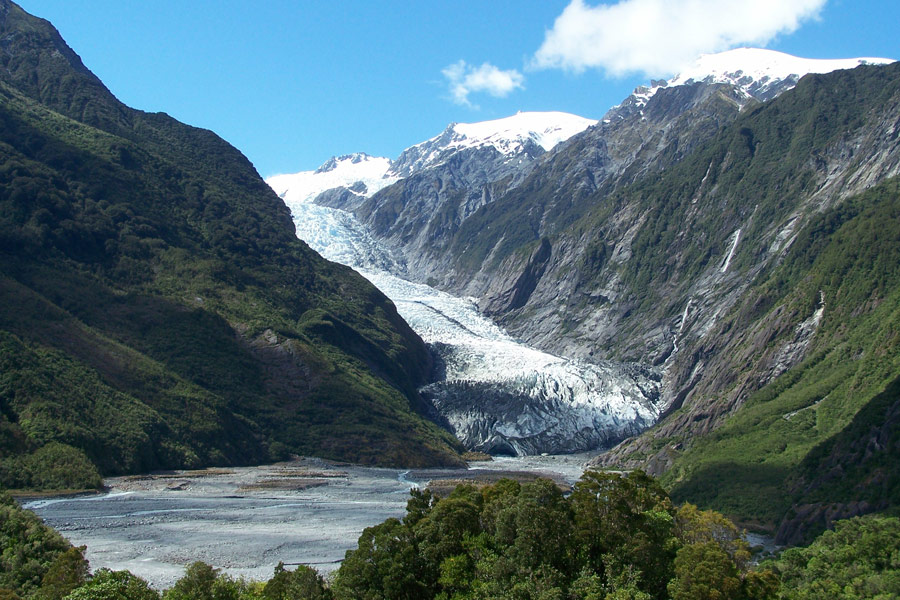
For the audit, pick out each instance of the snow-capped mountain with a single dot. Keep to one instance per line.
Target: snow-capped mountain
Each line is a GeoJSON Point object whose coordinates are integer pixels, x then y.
{"type": "Point", "coordinates": [498, 394]}
{"type": "Point", "coordinates": [522, 133]}
{"type": "Point", "coordinates": [527, 401]}
{"type": "Point", "coordinates": [359, 173]}
{"type": "Point", "coordinates": [758, 73]}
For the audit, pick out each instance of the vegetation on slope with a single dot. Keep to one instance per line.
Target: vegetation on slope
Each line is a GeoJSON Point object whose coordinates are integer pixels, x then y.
{"type": "Point", "coordinates": [158, 310]}
{"type": "Point", "coordinates": [613, 537]}
{"type": "Point", "coordinates": [859, 559]}
{"type": "Point", "coordinates": [770, 406]}
{"type": "Point", "coordinates": [825, 431]}
{"type": "Point", "coordinates": [35, 561]}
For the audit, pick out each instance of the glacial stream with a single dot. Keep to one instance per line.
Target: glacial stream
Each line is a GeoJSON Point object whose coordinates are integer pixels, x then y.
{"type": "Point", "coordinates": [499, 395]}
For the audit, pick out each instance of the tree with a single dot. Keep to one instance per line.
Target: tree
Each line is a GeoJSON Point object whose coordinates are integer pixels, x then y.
{"type": "Point", "coordinates": [114, 585]}
{"type": "Point", "coordinates": [859, 559]}
{"type": "Point", "coordinates": [694, 526]}
{"type": "Point", "coordinates": [385, 564]}
{"type": "Point", "coordinates": [303, 583]}
{"type": "Point", "coordinates": [29, 550]}
{"type": "Point", "coordinates": [625, 522]}
{"type": "Point", "coordinates": [202, 582]}
{"type": "Point", "coordinates": [68, 570]}
{"type": "Point", "coordinates": [703, 571]}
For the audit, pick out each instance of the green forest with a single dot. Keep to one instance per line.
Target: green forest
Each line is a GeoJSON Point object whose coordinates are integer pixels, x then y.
{"type": "Point", "coordinates": [157, 309]}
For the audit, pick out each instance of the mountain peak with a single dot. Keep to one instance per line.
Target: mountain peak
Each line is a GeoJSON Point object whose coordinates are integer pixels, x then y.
{"type": "Point", "coordinates": [759, 73]}
{"type": "Point", "coordinates": [756, 69]}
{"type": "Point", "coordinates": [509, 136]}
{"type": "Point", "coordinates": [546, 129]}
{"type": "Point", "coordinates": [355, 158]}
{"type": "Point", "coordinates": [359, 172]}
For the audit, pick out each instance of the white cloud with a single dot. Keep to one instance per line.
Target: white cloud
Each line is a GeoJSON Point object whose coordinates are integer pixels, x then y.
{"type": "Point", "coordinates": [659, 37]}
{"type": "Point", "coordinates": [464, 79]}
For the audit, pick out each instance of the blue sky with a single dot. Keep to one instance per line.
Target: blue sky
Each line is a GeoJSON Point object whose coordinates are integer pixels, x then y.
{"type": "Point", "coordinates": [294, 83]}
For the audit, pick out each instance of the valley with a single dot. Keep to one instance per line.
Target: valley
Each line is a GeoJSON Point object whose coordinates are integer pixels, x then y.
{"type": "Point", "coordinates": [663, 325]}
{"type": "Point", "coordinates": [496, 394]}
{"type": "Point", "coordinates": [694, 234]}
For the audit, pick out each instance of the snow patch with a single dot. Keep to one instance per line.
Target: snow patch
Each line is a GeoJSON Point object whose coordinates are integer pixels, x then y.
{"type": "Point", "coordinates": [745, 66]}
{"type": "Point", "coordinates": [546, 129]}
{"type": "Point", "coordinates": [369, 174]}
{"type": "Point", "coordinates": [757, 72]}
{"type": "Point", "coordinates": [508, 136]}
{"type": "Point", "coordinates": [344, 171]}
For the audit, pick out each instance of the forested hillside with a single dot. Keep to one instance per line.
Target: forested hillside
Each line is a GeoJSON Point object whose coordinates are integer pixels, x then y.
{"type": "Point", "coordinates": [157, 309]}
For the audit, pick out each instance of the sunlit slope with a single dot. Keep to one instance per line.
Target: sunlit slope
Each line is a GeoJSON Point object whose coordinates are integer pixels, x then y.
{"type": "Point", "coordinates": [159, 310]}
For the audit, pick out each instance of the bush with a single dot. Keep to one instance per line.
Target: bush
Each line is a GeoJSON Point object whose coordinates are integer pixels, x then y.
{"type": "Point", "coordinates": [114, 585]}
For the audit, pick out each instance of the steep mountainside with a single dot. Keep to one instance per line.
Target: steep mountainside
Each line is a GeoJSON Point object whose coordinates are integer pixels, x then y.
{"type": "Point", "coordinates": [157, 309]}
{"type": "Point", "coordinates": [426, 216]}
{"type": "Point", "coordinates": [716, 270]}
{"type": "Point", "coordinates": [746, 248]}
{"type": "Point", "coordinates": [448, 178]}
{"type": "Point", "coordinates": [434, 185]}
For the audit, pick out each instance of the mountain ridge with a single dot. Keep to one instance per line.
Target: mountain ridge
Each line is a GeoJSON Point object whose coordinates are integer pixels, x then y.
{"type": "Point", "coordinates": [759, 73]}
{"type": "Point", "coordinates": [510, 136]}
{"type": "Point", "coordinates": [149, 258]}
{"type": "Point", "coordinates": [650, 237]}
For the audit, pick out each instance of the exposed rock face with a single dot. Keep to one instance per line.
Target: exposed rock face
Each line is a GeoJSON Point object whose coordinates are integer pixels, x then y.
{"type": "Point", "coordinates": [420, 214]}
{"type": "Point", "coordinates": [493, 392]}
{"type": "Point", "coordinates": [639, 239]}
{"type": "Point", "coordinates": [424, 216]}
{"type": "Point", "coordinates": [731, 341]}
{"type": "Point", "coordinates": [518, 292]}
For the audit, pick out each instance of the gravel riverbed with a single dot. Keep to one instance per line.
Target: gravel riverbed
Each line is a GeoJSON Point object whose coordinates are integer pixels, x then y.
{"type": "Point", "coordinates": [245, 520]}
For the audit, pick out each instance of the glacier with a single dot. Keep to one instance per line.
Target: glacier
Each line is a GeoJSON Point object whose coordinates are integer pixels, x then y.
{"type": "Point", "coordinates": [360, 173]}
{"type": "Point", "coordinates": [496, 394]}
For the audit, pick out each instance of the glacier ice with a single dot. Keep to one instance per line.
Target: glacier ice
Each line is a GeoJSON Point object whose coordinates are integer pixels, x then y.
{"type": "Point", "coordinates": [496, 394]}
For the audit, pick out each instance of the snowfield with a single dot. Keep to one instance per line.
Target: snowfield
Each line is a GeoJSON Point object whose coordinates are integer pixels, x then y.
{"type": "Point", "coordinates": [344, 171]}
